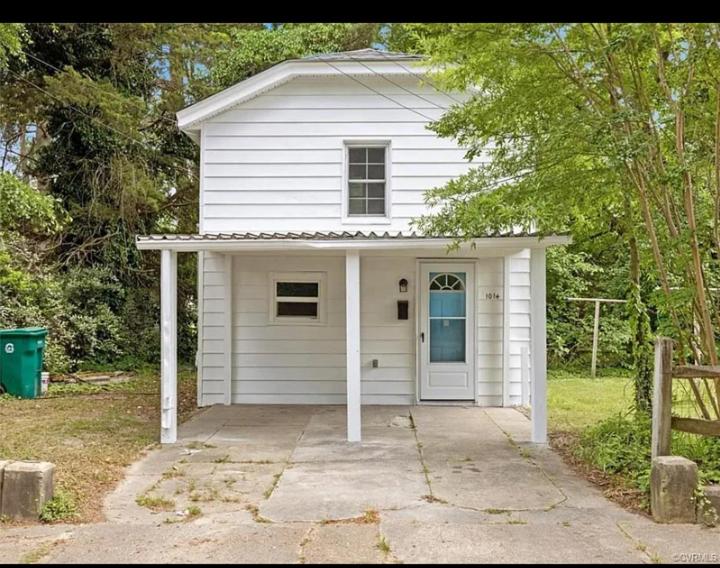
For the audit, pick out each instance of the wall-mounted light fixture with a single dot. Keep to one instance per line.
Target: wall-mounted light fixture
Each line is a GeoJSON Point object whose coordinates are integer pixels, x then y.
{"type": "Point", "coordinates": [403, 284]}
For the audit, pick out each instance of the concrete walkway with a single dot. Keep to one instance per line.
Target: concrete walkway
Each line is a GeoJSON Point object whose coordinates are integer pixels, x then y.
{"type": "Point", "coordinates": [428, 484]}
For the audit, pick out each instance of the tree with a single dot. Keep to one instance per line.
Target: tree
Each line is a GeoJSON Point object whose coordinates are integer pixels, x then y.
{"type": "Point", "coordinates": [591, 128]}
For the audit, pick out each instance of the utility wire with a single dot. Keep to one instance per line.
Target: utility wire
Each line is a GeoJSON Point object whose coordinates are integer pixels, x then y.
{"type": "Point", "coordinates": [398, 85]}
{"type": "Point", "coordinates": [91, 117]}
{"type": "Point", "coordinates": [421, 77]}
{"type": "Point", "coordinates": [51, 66]}
{"type": "Point", "coordinates": [377, 92]}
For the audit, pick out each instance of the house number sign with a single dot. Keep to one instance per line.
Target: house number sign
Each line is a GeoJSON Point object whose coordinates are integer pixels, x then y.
{"type": "Point", "coordinates": [492, 296]}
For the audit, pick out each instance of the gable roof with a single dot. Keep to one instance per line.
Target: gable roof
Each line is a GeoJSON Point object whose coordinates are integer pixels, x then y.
{"type": "Point", "coordinates": [354, 63]}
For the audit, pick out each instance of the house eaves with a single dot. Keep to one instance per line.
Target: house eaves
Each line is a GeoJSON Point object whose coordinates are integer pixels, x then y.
{"type": "Point", "coordinates": [191, 118]}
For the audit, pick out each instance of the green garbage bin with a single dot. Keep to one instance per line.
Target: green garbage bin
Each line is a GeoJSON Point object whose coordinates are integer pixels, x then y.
{"type": "Point", "coordinates": [21, 358]}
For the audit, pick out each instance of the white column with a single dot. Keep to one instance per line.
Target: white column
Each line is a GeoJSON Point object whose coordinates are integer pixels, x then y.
{"type": "Point", "coordinates": [352, 338]}
{"type": "Point", "coordinates": [227, 362]}
{"type": "Point", "coordinates": [168, 347]}
{"type": "Point", "coordinates": [538, 345]}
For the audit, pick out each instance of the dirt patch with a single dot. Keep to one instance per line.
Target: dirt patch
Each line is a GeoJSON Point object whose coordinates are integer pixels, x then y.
{"type": "Point", "coordinates": [90, 432]}
{"type": "Point", "coordinates": [614, 487]}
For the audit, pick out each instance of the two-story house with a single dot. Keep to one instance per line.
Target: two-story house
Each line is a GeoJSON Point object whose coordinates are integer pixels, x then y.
{"type": "Point", "coordinates": [312, 286]}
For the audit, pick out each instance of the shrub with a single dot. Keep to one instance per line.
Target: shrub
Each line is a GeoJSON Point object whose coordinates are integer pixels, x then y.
{"type": "Point", "coordinates": [620, 445]}
{"type": "Point", "coordinates": [61, 507]}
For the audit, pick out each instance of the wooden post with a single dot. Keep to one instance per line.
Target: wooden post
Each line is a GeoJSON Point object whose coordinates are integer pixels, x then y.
{"type": "Point", "coordinates": [227, 356]}
{"type": "Point", "coordinates": [662, 397]}
{"type": "Point", "coordinates": [352, 337]}
{"type": "Point", "coordinates": [168, 347]}
{"type": "Point", "coordinates": [596, 331]}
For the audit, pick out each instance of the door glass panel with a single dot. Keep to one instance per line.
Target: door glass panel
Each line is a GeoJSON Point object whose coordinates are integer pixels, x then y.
{"type": "Point", "coordinates": [447, 340]}
{"type": "Point", "coordinates": [447, 297]}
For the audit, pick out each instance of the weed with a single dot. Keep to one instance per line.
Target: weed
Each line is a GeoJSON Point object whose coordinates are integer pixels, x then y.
{"type": "Point", "coordinates": [223, 459]}
{"type": "Point", "coordinates": [61, 507]}
{"type": "Point", "coordinates": [255, 512]}
{"type": "Point", "coordinates": [36, 554]}
{"type": "Point", "coordinates": [269, 490]}
{"type": "Point", "coordinates": [155, 503]}
{"type": "Point", "coordinates": [383, 545]}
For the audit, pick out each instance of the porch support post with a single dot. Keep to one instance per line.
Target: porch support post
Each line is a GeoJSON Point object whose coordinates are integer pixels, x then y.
{"type": "Point", "coordinates": [538, 345]}
{"type": "Point", "coordinates": [227, 363]}
{"type": "Point", "coordinates": [352, 338]}
{"type": "Point", "coordinates": [168, 347]}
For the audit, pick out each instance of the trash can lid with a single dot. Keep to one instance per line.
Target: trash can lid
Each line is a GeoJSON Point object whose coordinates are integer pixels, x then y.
{"type": "Point", "coordinates": [32, 331]}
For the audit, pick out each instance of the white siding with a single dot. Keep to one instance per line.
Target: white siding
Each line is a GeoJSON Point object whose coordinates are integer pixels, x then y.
{"type": "Point", "coordinates": [306, 363]}
{"type": "Point", "coordinates": [489, 323]}
{"type": "Point", "coordinates": [275, 162]}
{"type": "Point", "coordinates": [518, 320]}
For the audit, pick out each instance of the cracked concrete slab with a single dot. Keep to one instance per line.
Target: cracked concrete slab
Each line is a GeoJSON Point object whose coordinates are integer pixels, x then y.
{"type": "Point", "coordinates": [442, 484]}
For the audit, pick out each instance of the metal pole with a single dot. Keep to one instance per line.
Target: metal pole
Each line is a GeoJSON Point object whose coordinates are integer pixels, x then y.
{"type": "Point", "coordinates": [596, 330]}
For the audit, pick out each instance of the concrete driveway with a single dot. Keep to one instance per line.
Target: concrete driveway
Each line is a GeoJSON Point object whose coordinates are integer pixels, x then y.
{"type": "Point", "coordinates": [428, 484]}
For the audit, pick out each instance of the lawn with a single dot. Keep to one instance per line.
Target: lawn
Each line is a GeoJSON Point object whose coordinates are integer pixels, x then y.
{"type": "Point", "coordinates": [90, 432]}
{"type": "Point", "coordinates": [575, 400]}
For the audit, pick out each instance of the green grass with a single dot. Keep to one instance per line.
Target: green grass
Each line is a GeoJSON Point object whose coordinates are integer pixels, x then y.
{"type": "Point", "coordinates": [594, 424]}
{"type": "Point", "coordinates": [90, 433]}
{"type": "Point", "coordinates": [576, 401]}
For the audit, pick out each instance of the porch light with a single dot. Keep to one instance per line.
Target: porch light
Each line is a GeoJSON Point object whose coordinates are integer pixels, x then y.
{"type": "Point", "coordinates": [403, 284]}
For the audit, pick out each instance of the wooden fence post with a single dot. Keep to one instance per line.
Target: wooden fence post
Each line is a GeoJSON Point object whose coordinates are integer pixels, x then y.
{"type": "Point", "coordinates": [662, 397]}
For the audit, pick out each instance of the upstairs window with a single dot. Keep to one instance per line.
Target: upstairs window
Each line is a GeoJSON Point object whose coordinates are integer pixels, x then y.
{"type": "Point", "coordinates": [367, 180]}
{"type": "Point", "coordinates": [297, 297]}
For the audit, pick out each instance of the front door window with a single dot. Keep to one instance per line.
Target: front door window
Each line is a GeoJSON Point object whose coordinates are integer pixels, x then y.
{"type": "Point", "coordinates": [447, 317]}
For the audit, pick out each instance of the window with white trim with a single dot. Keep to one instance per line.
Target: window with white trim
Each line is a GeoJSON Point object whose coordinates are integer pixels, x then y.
{"type": "Point", "coordinates": [297, 297]}
{"type": "Point", "coordinates": [367, 180]}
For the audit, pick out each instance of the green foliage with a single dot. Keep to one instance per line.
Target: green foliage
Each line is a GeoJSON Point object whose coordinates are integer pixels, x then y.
{"type": "Point", "coordinates": [250, 51]}
{"type": "Point", "coordinates": [25, 209]}
{"type": "Point", "coordinates": [621, 445]}
{"type": "Point", "coordinates": [12, 37]}
{"type": "Point", "coordinates": [62, 507]}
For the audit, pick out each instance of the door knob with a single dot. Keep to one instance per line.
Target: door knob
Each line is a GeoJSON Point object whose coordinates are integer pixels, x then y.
{"type": "Point", "coordinates": [422, 336]}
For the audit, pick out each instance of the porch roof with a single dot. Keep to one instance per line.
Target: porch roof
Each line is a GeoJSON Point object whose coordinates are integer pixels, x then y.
{"type": "Point", "coordinates": [335, 239]}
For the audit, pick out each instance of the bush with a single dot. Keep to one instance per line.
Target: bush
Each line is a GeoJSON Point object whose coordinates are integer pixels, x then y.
{"type": "Point", "coordinates": [620, 445]}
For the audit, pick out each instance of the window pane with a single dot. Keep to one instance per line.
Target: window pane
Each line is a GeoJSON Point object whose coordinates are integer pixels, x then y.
{"type": "Point", "coordinates": [358, 190]}
{"type": "Point", "coordinates": [304, 309]}
{"type": "Point", "coordinates": [357, 207]}
{"type": "Point", "coordinates": [376, 172]}
{"type": "Point", "coordinates": [447, 340]}
{"type": "Point", "coordinates": [357, 155]}
{"type": "Point", "coordinates": [376, 206]}
{"type": "Point", "coordinates": [357, 172]}
{"type": "Point", "coordinates": [376, 155]}
{"type": "Point", "coordinates": [375, 190]}
{"type": "Point", "coordinates": [447, 304]}
{"type": "Point", "coordinates": [298, 289]}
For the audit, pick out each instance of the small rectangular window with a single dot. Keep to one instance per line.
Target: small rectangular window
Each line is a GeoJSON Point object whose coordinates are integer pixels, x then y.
{"type": "Point", "coordinates": [297, 297]}
{"type": "Point", "coordinates": [367, 178]}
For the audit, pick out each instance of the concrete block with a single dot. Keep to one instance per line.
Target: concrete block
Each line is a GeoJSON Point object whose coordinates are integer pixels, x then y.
{"type": "Point", "coordinates": [27, 486]}
{"type": "Point", "coordinates": [3, 464]}
{"type": "Point", "coordinates": [712, 493]}
{"type": "Point", "coordinates": [673, 480]}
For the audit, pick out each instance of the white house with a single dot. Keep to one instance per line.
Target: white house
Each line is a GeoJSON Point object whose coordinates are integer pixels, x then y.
{"type": "Point", "coordinates": [313, 288]}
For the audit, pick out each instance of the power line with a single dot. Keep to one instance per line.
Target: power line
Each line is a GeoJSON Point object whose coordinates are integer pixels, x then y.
{"type": "Point", "coordinates": [398, 85]}
{"type": "Point", "coordinates": [421, 77]}
{"type": "Point", "coordinates": [51, 66]}
{"type": "Point", "coordinates": [91, 117]}
{"type": "Point", "coordinates": [377, 92]}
